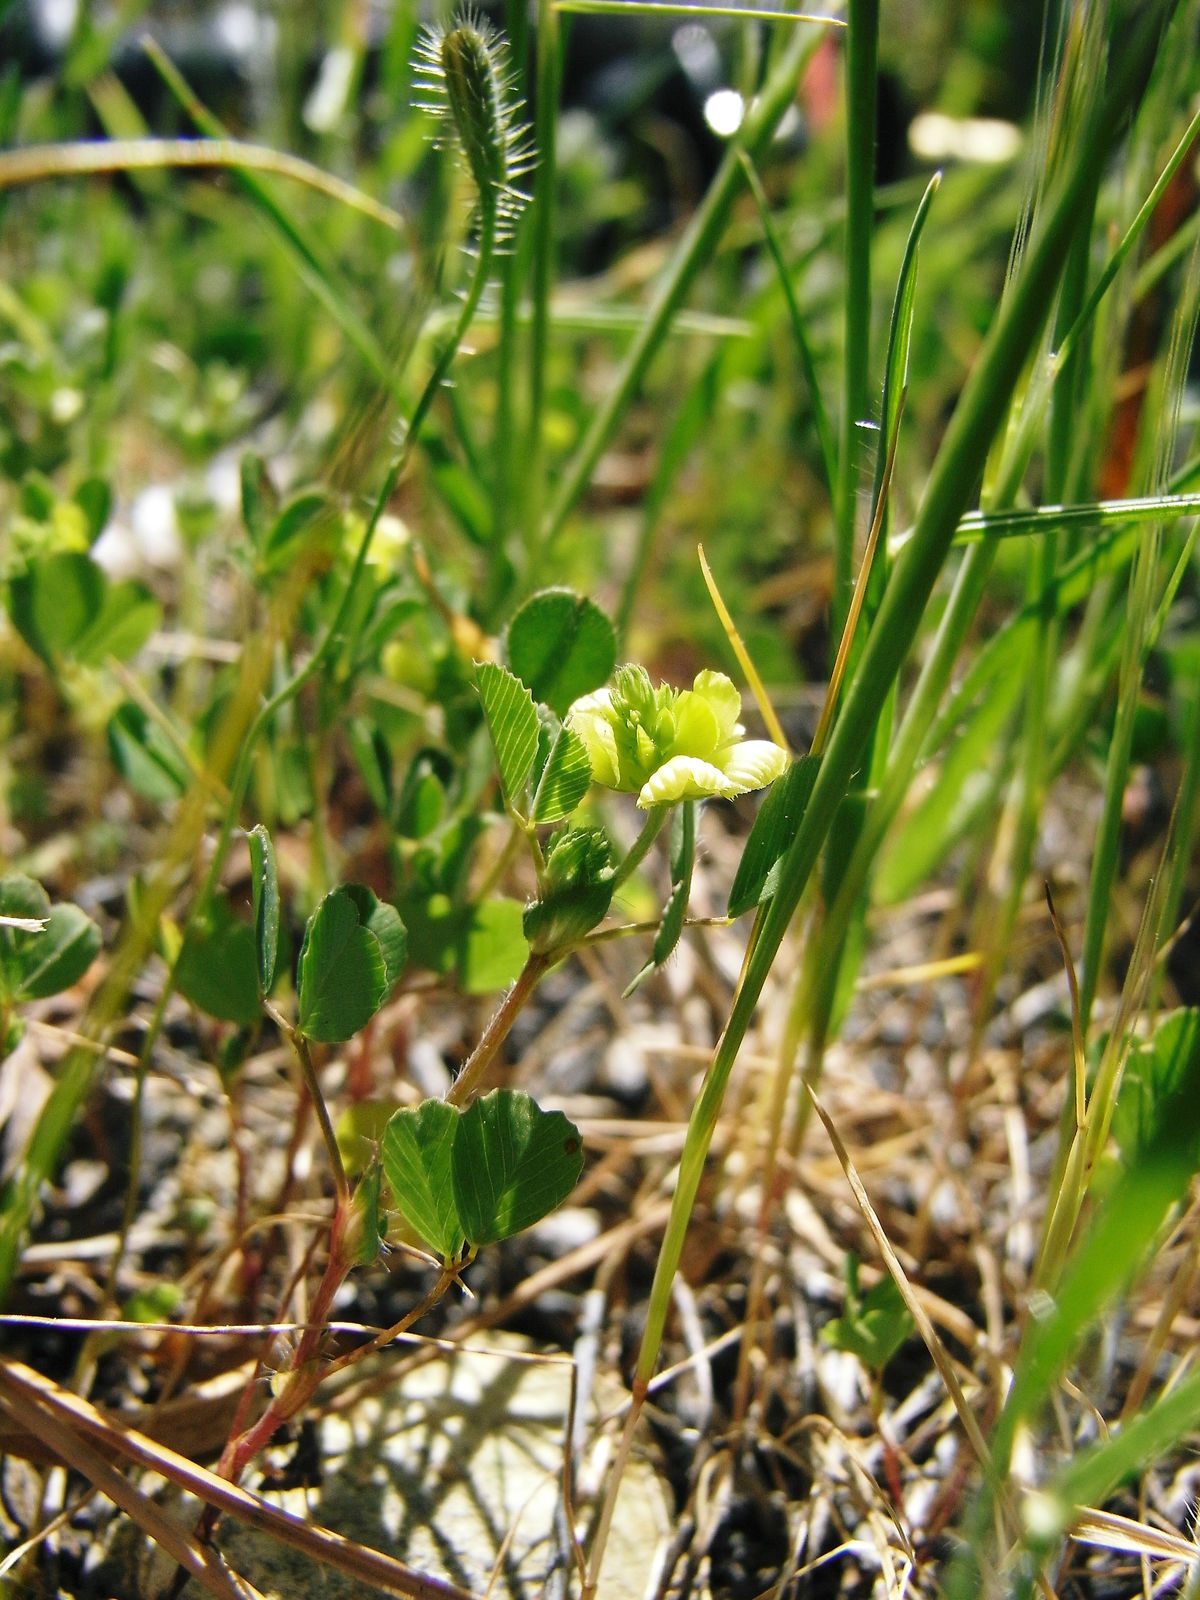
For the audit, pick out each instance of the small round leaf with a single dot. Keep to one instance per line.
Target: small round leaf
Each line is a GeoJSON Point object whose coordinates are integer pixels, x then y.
{"type": "Point", "coordinates": [417, 1155]}
{"type": "Point", "coordinates": [561, 646]}
{"type": "Point", "coordinates": [513, 1163]}
{"type": "Point", "coordinates": [342, 975]}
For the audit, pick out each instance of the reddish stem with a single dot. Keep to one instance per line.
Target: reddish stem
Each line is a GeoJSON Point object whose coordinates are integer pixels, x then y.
{"type": "Point", "coordinates": [306, 1369]}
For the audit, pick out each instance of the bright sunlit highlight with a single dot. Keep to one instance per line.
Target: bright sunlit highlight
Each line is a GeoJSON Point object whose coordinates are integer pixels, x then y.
{"type": "Point", "coordinates": [933, 136]}
{"type": "Point", "coordinates": [723, 111]}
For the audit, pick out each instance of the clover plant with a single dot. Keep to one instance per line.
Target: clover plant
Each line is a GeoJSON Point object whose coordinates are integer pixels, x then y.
{"type": "Point", "coordinates": [457, 1174]}
{"type": "Point", "coordinates": [433, 719]}
{"type": "Point", "coordinates": [531, 725]}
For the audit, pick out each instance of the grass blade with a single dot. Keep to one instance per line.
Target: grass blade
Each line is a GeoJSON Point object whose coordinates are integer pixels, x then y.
{"type": "Point", "coordinates": [316, 272]}
{"type": "Point", "coordinates": [976, 421]}
{"type": "Point", "coordinates": [693, 251]}
{"type": "Point", "coordinates": [824, 428]}
{"type": "Point", "coordinates": [862, 48]}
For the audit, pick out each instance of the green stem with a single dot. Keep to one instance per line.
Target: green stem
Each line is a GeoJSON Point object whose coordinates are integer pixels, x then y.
{"type": "Point", "coordinates": [862, 46]}
{"type": "Point", "coordinates": [655, 819]}
{"type": "Point", "coordinates": [445, 1278]}
{"type": "Point", "coordinates": [299, 1044]}
{"type": "Point", "coordinates": [466, 1085]}
{"type": "Point", "coordinates": [694, 249]}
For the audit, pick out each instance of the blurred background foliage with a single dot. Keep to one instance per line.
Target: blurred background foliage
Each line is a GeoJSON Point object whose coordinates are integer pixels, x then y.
{"type": "Point", "coordinates": [157, 327]}
{"type": "Point", "coordinates": [153, 325]}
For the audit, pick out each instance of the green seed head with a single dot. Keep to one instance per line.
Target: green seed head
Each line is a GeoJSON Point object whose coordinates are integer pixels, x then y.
{"type": "Point", "coordinates": [464, 75]}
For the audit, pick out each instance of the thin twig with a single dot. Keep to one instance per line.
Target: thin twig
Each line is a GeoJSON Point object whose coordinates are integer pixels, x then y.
{"type": "Point", "coordinates": [929, 1334]}
{"type": "Point", "coordinates": [373, 1566]}
{"type": "Point", "coordinates": [32, 1410]}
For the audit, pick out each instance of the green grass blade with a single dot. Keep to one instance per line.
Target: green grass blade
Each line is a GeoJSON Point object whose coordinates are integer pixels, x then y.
{"type": "Point", "coordinates": [950, 810]}
{"type": "Point", "coordinates": [314, 269]}
{"type": "Point", "coordinates": [895, 379]}
{"type": "Point", "coordinates": [658, 8]}
{"type": "Point", "coordinates": [1143, 614]}
{"type": "Point", "coordinates": [1077, 89]}
{"type": "Point", "coordinates": [1072, 520]}
{"type": "Point", "coordinates": [693, 250]}
{"type": "Point", "coordinates": [862, 48]}
{"type": "Point", "coordinates": [824, 428]}
{"type": "Point", "coordinates": [1096, 1473]}
{"type": "Point", "coordinates": [895, 385]}
{"type": "Point", "coordinates": [825, 988]}
{"type": "Point", "coordinates": [1130, 237]}
{"type": "Point", "coordinates": [975, 423]}
{"type": "Point", "coordinates": [1108, 1256]}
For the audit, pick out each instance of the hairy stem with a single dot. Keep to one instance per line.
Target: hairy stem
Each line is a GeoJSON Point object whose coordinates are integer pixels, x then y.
{"type": "Point", "coordinates": [466, 1085]}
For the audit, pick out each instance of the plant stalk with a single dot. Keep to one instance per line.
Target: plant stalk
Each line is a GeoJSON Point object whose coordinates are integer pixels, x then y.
{"type": "Point", "coordinates": [466, 1085]}
{"type": "Point", "coordinates": [976, 420]}
{"type": "Point", "coordinates": [862, 48]}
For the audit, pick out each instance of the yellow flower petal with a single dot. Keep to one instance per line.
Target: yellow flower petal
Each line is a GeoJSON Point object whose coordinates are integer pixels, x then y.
{"type": "Point", "coordinates": [686, 778]}
{"type": "Point", "coordinates": [753, 764]}
{"type": "Point", "coordinates": [698, 731]}
{"type": "Point", "coordinates": [724, 698]}
{"type": "Point", "coordinates": [592, 719]}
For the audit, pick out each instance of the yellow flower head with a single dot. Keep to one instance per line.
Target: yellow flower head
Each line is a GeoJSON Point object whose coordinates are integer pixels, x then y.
{"type": "Point", "coordinates": [669, 744]}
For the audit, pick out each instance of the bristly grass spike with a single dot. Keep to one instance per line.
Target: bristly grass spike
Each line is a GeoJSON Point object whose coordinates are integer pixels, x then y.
{"type": "Point", "coordinates": [465, 76]}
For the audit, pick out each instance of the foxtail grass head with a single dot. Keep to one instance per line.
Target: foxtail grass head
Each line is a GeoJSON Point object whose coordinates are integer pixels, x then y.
{"type": "Point", "coordinates": [463, 74]}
